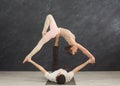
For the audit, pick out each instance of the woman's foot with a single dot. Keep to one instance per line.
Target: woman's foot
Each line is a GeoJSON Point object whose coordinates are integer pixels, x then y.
{"type": "Point", "coordinates": [27, 59]}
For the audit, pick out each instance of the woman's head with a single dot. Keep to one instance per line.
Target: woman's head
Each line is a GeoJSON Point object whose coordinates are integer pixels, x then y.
{"type": "Point", "coordinates": [60, 79]}
{"type": "Point", "coordinates": [71, 49]}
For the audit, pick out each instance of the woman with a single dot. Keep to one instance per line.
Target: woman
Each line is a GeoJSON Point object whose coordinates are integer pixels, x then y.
{"type": "Point", "coordinates": [55, 31]}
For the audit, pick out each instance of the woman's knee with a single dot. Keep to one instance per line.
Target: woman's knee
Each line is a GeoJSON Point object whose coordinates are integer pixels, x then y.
{"type": "Point", "coordinates": [49, 16]}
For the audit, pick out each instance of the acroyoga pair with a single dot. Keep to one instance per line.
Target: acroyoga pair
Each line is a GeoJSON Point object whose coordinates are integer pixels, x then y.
{"type": "Point", "coordinates": [60, 76]}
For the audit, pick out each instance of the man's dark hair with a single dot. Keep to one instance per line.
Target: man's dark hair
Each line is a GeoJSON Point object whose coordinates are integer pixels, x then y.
{"type": "Point", "coordinates": [60, 79]}
{"type": "Point", "coordinates": [67, 49]}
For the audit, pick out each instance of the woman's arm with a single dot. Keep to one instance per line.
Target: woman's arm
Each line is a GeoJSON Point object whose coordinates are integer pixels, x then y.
{"type": "Point", "coordinates": [86, 52]}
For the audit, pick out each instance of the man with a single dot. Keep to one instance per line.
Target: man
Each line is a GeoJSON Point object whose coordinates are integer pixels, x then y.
{"type": "Point", "coordinates": [59, 76]}
{"type": "Point", "coordinates": [55, 53]}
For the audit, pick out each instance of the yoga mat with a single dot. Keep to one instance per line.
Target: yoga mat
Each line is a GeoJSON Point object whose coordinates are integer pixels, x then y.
{"type": "Point", "coordinates": [72, 82]}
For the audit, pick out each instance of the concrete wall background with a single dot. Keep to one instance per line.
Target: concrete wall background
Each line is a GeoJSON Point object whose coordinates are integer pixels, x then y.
{"type": "Point", "coordinates": [96, 24]}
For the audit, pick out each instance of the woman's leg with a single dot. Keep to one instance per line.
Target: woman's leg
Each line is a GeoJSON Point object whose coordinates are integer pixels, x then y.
{"type": "Point", "coordinates": [49, 21]}
{"type": "Point", "coordinates": [36, 49]}
{"type": "Point", "coordinates": [40, 44]}
{"type": "Point", "coordinates": [48, 36]}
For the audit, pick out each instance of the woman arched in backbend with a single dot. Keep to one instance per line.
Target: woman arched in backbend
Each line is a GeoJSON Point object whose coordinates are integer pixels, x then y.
{"type": "Point", "coordinates": [55, 31]}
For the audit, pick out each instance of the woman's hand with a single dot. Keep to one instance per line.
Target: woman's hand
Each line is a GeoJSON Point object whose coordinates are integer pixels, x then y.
{"type": "Point", "coordinates": [93, 60]}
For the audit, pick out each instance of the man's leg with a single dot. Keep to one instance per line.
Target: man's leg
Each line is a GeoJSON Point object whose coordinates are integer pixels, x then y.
{"type": "Point", "coordinates": [55, 58]}
{"type": "Point", "coordinates": [75, 70]}
{"type": "Point", "coordinates": [37, 65]}
{"type": "Point", "coordinates": [55, 53]}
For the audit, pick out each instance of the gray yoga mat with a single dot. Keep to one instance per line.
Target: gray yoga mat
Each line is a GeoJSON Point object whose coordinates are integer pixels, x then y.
{"type": "Point", "coordinates": [72, 82]}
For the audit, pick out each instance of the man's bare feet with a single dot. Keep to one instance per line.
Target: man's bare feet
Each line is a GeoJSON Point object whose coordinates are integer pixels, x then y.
{"type": "Point", "coordinates": [58, 35]}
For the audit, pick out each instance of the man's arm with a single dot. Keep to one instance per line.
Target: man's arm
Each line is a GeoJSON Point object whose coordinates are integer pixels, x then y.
{"type": "Point", "coordinates": [37, 65]}
{"type": "Point", "coordinates": [81, 66]}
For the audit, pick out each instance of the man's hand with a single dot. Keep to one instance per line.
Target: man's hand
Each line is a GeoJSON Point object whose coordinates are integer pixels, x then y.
{"type": "Point", "coordinates": [93, 60]}
{"type": "Point", "coordinates": [90, 61]}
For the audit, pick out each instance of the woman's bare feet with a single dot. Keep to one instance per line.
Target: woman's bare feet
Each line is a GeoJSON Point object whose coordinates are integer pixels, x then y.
{"type": "Point", "coordinates": [27, 59]}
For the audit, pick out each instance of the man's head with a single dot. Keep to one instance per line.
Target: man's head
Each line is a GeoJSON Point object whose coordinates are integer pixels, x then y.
{"type": "Point", "coordinates": [71, 49]}
{"type": "Point", "coordinates": [60, 79]}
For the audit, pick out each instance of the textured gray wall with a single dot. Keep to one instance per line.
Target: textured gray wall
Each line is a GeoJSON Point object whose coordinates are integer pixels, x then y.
{"type": "Point", "coordinates": [96, 24]}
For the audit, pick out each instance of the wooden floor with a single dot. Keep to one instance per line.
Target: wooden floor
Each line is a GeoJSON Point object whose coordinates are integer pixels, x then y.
{"type": "Point", "coordinates": [35, 78]}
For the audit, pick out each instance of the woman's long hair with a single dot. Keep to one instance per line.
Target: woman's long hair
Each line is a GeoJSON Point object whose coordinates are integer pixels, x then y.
{"type": "Point", "coordinates": [67, 49]}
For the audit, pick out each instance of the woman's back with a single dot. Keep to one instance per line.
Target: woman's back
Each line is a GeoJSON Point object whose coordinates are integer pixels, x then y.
{"type": "Point", "coordinates": [67, 35]}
